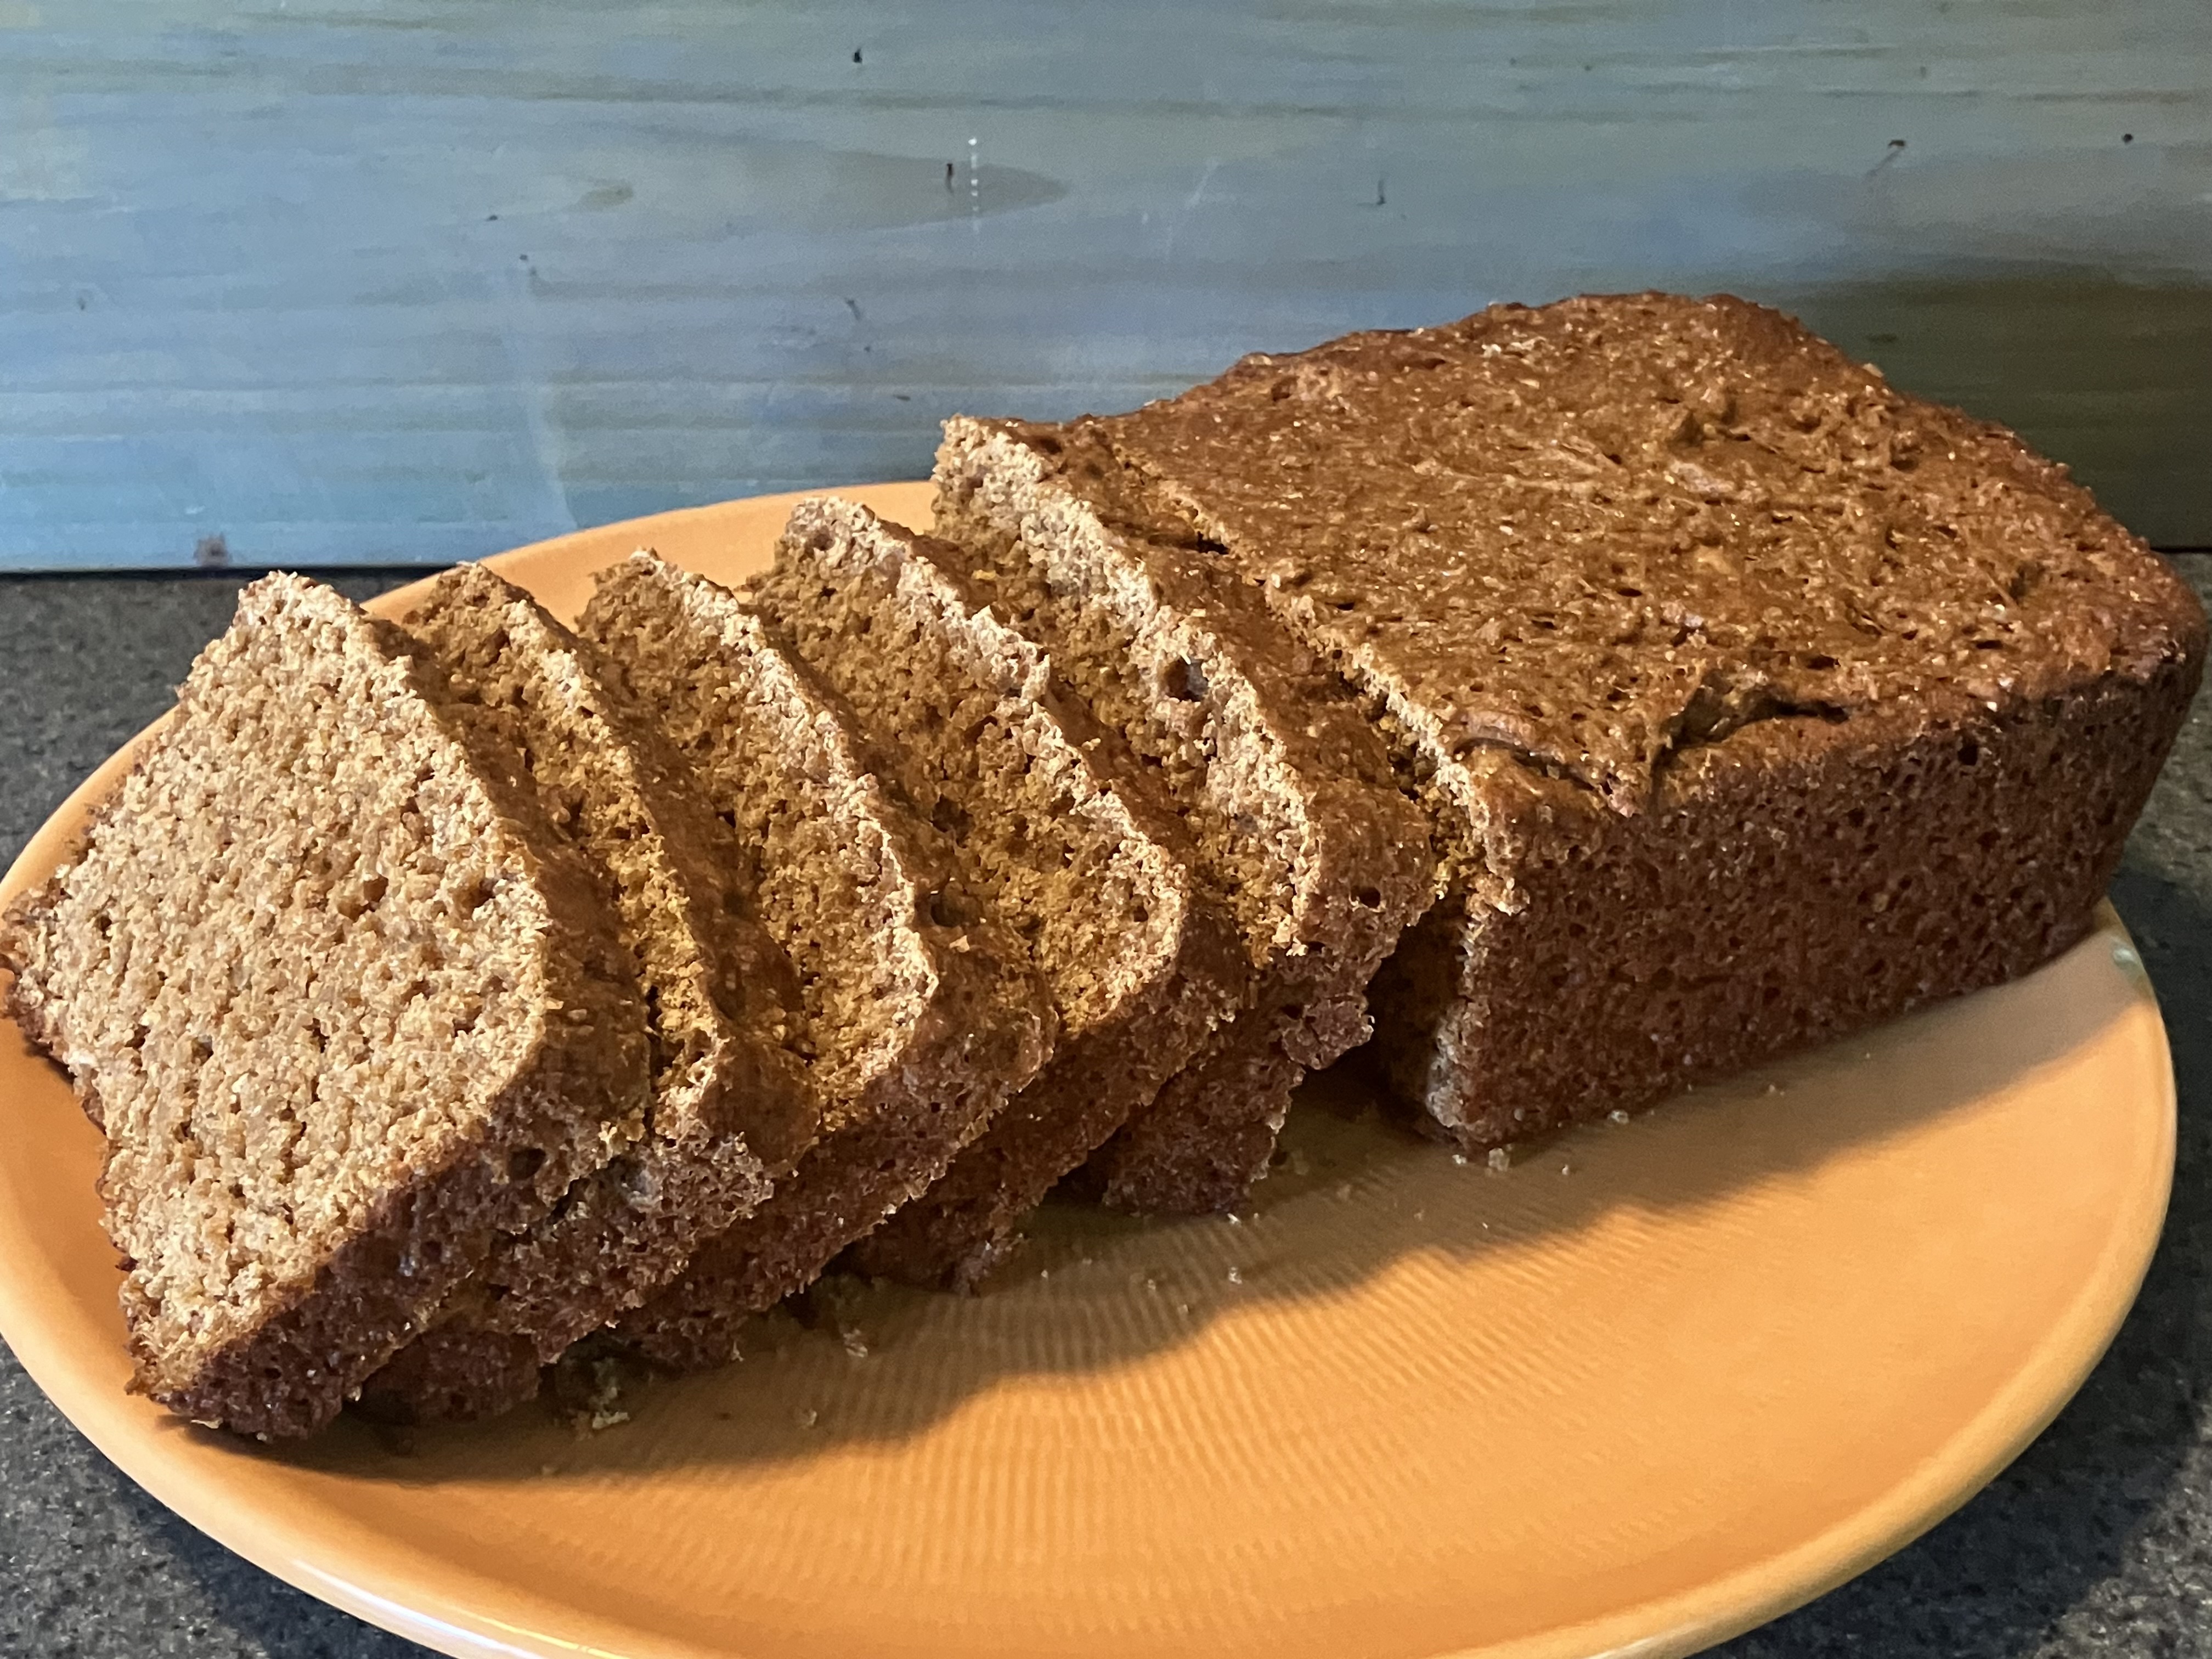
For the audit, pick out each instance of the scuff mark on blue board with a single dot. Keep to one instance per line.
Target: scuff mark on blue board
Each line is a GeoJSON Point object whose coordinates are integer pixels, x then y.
{"type": "Point", "coordinates": [360, 283]}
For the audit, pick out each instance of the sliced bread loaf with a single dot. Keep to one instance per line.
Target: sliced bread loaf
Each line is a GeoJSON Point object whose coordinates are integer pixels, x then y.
{"type": "Point", "coordinates": [730, 1111]}
{"type": "Point", "coordinates": [1052, 825]}
{"type": "Point", "coordinates": [1753, 700]}
{"type": "Point", "coordinates": [1287, 791]}
{"type": "Point", "coordinates": [918, 1017]}
{"type": "Point", "coordinates": [349, 1007]}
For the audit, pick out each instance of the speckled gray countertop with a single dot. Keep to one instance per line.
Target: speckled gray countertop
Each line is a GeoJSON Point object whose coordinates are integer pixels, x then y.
{"type": "Point", "coordinates": [2097, 1542]}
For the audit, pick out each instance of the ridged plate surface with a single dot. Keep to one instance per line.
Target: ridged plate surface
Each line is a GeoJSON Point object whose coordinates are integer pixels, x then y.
{"type": "Point", "coordinates": [1663, 1380]}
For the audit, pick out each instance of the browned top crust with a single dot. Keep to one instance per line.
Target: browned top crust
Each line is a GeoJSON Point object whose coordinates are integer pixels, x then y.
{"type": "Point", "coordinates": [1599, 532]}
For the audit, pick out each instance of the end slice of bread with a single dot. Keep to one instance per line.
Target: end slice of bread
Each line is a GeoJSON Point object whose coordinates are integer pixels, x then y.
{"type": "Point", "coordinates": [1288, 793]}
{"type": "Point", "coordinates": [730, 1111]}
{"type": "Point", "coordinates": [919, 1018]}
{"type": "Point", "coordinates": [1052, 824]}
{"type": "Point", "coordinates": [351, 1008]}
{"type": "Point", "coordinates": [1753, 700]}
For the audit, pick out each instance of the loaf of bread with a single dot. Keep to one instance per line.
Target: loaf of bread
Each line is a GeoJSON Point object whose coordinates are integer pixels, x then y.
{"type": "Point", "coordinates": [1053, 825]}
{"type": "Point", "coordinates": [1608, 695]}
{"type": "Point", "coordinates": [1752, 700]}
{"type": "Point", "coordinates": [348, 1007]}
{"type": "Point", "coordinates": [918, 1016]}
{"type": "Point", "coordinates": [1300, 827]}
{"type": "Point", "coordinates": [730, 1112]}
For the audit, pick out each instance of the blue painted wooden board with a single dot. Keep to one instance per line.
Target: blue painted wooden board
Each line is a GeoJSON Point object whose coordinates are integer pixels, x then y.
{"type": "Point", "coordinates": [342, 280]}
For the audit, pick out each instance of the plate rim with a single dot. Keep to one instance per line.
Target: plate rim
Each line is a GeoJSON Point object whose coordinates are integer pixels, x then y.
{"type": "Point", "coordinates": [1664, 1627]}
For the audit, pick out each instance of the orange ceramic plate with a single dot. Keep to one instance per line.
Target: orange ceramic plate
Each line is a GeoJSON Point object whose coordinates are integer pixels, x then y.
{"type": "Point", "coordinates": [1662, 1382]}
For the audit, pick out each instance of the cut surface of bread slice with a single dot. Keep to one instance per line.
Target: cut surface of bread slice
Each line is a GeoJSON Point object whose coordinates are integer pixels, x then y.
{"type": "Point", "coordinates": [1053, 826]}
{"type": "Point", "coordinates": [918, 1019]}
{"type": "Point", "coordinates": [350, 1008]}
{"type": "Point", "coordinates": [730, 1111]}
{"type": "Point", "coordinates": [1288, 794]}
{"type": "Point", "coordinates": [1753, 700]}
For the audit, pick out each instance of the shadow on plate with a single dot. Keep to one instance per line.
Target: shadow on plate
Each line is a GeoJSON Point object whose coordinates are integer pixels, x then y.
{"type": "Point", "coordinates": [1354, 1196]}
{"type": "Point", "coordinates": [1988, 1583]}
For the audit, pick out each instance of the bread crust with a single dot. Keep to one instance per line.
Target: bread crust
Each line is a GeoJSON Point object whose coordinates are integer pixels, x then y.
{"type": "Point", "coordinates": [1752, 701]}
{"type": "Point", "coordinates": [975, 1045]}
{"type": "Point", "coordinates": [1796, 881]}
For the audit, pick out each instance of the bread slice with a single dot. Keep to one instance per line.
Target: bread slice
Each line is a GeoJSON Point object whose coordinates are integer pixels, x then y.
{"type": "Point", "coordinates": [730, 1111]}
{"type": "Point", "coordinates": [1056, 830]}
{"type": "Point", "coordinates": [918, 1017]}
{"type": "Point", "coordinates": [349, 1006]}
{"type": "Point", "coordinates": [1300, 826]}
{"type": "Point", "coordinates": [1753, 699]}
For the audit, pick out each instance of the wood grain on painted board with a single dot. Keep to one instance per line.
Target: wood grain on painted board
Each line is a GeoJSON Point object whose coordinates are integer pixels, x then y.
{"type": "Point", "coordinates": [334, 280]}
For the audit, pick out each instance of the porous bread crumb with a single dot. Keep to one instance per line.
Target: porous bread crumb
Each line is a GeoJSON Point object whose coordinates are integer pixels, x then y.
{"type": "Point", "coordinates": [785, 779]}
{"type": "Point", "coordinates": [917, 1018]}
{"type": "Point", "coordinates": [1053, 828]}
{"type": "Point", "coordinates": [729, 1110]}
{"type": "Point", "coordinates": [348, 1008]}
